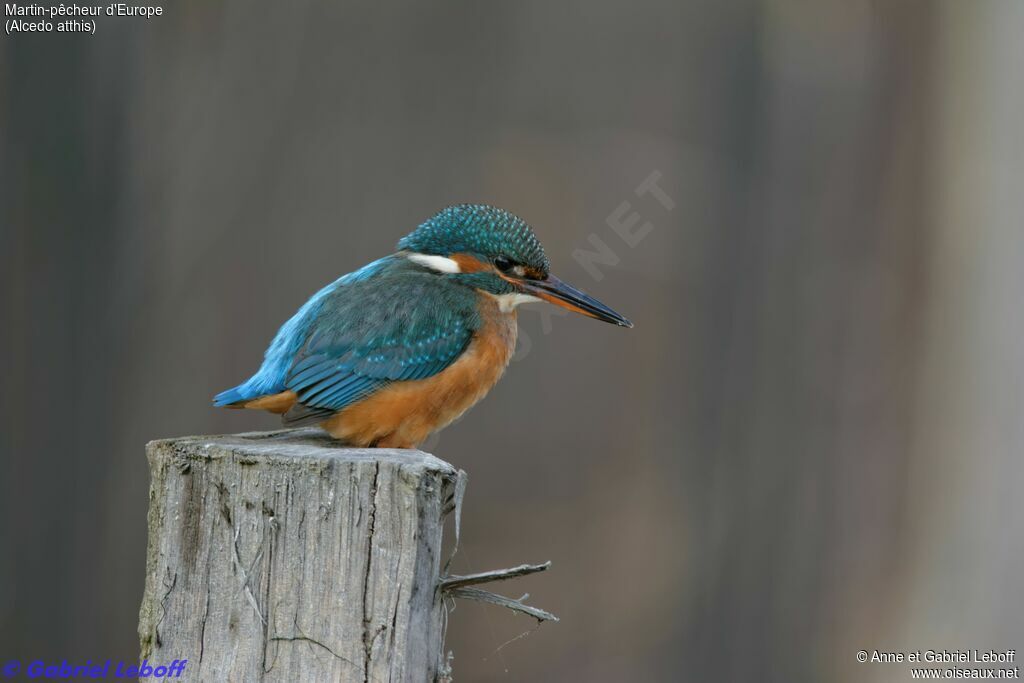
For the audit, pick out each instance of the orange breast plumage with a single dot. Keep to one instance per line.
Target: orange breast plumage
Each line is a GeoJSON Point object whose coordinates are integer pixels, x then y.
{"type": "Point", "coordinates": [404, 414]}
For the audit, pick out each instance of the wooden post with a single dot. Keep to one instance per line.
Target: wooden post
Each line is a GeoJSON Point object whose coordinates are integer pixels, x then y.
{"type": "Point", "coordinates": [283, 557]}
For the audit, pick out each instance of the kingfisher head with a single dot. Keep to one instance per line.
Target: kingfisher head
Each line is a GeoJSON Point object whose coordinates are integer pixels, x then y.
{"type": "Point", "coordinates": [496, 252]}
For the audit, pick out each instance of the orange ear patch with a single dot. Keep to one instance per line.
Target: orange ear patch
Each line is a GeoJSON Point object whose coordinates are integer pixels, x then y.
{"type": "Point", "coordinates": [469, 263]}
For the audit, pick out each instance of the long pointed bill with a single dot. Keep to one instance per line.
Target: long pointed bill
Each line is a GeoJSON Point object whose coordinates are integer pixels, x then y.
{"type": "Point", "coordinates": [565, 295]}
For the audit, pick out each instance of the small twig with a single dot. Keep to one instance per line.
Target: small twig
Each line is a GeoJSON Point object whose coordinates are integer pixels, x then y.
{"type": "Point", "coordinates": [456, 504]}
{"type": "Point", "coordinates": [449, 583]}
{"type": "Point", "coordinates": [481, 595]}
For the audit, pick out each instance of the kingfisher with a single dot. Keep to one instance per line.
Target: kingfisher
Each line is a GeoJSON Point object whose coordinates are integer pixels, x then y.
{"type": "Point", "coordinates": [386, 355]}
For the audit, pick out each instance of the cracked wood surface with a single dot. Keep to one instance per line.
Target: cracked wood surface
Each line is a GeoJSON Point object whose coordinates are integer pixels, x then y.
{"type": "Point", "coordinates": [281, 556]}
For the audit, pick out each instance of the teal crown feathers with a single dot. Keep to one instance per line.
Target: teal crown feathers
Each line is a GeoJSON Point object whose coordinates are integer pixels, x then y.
{"type": "Point", "coordinates": [478, 229]}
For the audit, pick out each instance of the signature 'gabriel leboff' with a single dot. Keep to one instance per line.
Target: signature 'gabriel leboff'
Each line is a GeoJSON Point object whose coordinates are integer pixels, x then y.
{"type": "Point", "coordinates": [401, 347]}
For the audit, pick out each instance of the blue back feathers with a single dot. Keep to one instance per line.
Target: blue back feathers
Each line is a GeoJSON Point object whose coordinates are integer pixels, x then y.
{"type": "Point", "coordinates": [390, 321]}
{"type": "Point", "coordinates": [269, 379]}
{"type": "Point", "coordinates": [405, 324]}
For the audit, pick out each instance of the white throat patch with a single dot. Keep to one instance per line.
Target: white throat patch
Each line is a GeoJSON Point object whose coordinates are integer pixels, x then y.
{"type": "Point", "coordinates": [508, 302]}
{"type": "Point", "coordinates": [441, 264]}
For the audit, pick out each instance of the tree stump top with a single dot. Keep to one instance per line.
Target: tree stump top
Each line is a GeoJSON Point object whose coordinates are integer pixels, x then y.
{"type": "Point", "coordinates": [309, 446]}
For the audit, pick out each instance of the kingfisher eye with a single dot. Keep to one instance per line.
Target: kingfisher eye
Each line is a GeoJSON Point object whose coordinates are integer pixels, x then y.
{"type": "Point", "coordinates": [503, 263]}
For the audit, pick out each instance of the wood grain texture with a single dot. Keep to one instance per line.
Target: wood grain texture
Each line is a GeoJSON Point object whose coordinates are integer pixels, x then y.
{"type": "Point", "coordinates": [282, 557]}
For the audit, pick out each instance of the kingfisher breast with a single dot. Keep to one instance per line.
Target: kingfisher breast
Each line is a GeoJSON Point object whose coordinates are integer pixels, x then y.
{"type": "Point", "coordinates": [403, 414]}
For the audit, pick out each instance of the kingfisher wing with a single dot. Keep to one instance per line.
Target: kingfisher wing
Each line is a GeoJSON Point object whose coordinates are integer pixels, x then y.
{"type": "Point", "coordinates": [368, 334]}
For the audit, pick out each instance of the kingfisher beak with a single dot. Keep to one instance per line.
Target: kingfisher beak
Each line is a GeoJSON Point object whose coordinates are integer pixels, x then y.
{"type": "Point", "coordinates": [563, 294]}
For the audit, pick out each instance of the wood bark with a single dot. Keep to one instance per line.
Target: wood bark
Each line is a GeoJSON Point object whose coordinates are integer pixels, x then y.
{"type": "Point", "coordinates": [281, 556]}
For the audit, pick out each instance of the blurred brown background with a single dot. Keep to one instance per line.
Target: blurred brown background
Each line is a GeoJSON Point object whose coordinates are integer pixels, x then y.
{"type": "Point", "coordinates": [809, 445]}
